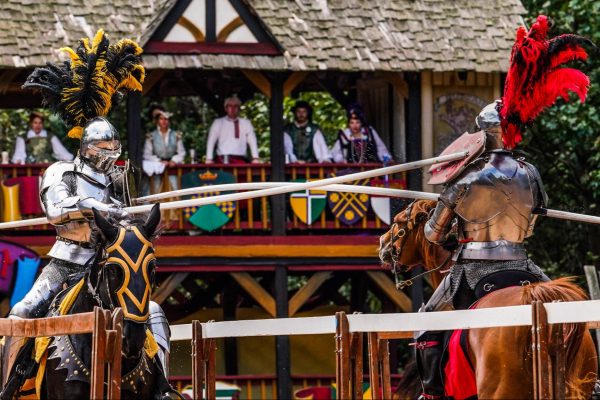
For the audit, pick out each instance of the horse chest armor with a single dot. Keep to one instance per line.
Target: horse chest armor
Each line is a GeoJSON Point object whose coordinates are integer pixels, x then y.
{"type": "Point", "coordinates": [62, 350]}
{"type": "Point", "coordinates": [498, 201]}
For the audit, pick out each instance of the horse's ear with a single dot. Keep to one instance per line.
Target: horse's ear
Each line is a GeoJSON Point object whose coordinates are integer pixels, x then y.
{"type": "Point", "coordinates": [108, 230]}
{"type": "Point", "coordinates": [153, 220]}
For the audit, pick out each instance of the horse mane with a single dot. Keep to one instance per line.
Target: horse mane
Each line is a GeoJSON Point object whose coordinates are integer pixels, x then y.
{"type": "Point", "coordinates": [564, 290]}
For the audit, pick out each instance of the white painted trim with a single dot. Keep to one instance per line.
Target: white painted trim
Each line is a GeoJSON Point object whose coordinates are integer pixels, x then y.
{"type": "Point", "coordinates": [573, 311]}
{"type": "Point", "coordinates": [270, 327]}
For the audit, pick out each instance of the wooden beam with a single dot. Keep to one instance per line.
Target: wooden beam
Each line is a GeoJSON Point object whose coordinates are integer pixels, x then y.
{"type": "Point", "coordinates": [253, 288]}
{"type": "Point", "coordinates": [258, 80]}
{"type": "Point", "coordinates": [6, 79]}
{"type": "Point", "coordinates": [302, 295]}
{"type": "Point", "coordinates": [152, 78]}
{"type": "Point", "coordinates": [293, 81]}
{"type": "Point", "coordinates": [397, 297]}
{"type": "Point", "coordinates": [168, 286]}
{"type": "Point", "coordinates": [399, 84]}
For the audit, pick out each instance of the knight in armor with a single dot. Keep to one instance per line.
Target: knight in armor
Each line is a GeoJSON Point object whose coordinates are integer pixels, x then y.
{"type": "Point", "coordinates": [38, 145]}
{"type": "Point", "coordinates": [488, 207]}
{"type": "Point", "coordinates": [359, 143]}
{"type": "Point", "coordinates": [70, 190]}
{"type": "Point", "coordinates": [303, 139]}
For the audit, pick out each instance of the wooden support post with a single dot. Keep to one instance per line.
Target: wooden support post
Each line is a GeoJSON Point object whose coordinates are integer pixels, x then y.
{"type": "Point", "coordinates": [413, 128]}
{"type": "Point", "coordinates": [542, 368]}
{"type": "Point", "coordinates": [342, 349]}
{"type": "Point", "coordinates": [384, 360]}
{"type": "Point", "coordinates": [282, 343]}
{"type": "Point", "coordinates": [293, 81]}
{"type": "Point", "coordinates": [198, 361]}
{"type": "Point", "coordinates": [591, 276]}
{"type": "Point", "coordinates": [397, 297]}
{"type": "Point", "coordinates": [257, 292]}
{"type": "Point", "coordinates": [278, 203]}
{"type": "Point", "coordinates": [558, 362]}
{"type": "Point", "coordinates": [211, 382]}
{"type": "Point", "coordinates": [304, 293]}
{"type": "Point", "coordinates": [356, 361]}
{"type": "Point", "coordinates": [374, 373]}
{"type": "Point", "coordinates": [258, 80]}
{"type": "Point", "coordinates": [114, 344]}
{"type": "Point", "coordinates": [98, 354]}
{"type": "Point", "coordinates": [135, 137]}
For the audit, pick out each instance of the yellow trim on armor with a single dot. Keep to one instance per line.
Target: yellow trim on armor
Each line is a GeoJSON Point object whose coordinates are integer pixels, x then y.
{"type": "Point", "coordinates": [39, 378]}
{"type": "Point", "coordinates": [41, 344]}
{"type": "Point", "coordinates": [69, 299]}
{"type": "Point", "coordinates": [150, 345]}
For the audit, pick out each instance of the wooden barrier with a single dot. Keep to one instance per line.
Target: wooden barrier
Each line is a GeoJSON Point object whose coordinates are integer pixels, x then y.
{"type": "Point", "coordinates": [106, 346]}
{"type": "Point", "coordinates": [547, 346]}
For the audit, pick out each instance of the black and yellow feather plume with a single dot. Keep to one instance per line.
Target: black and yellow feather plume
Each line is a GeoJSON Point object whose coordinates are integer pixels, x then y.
{"type": "Point", "coordinates": [92, 80]}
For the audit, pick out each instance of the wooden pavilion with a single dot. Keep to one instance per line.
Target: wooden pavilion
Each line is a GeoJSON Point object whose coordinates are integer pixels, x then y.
{"type": "Point", "coordinates": [422, 69]}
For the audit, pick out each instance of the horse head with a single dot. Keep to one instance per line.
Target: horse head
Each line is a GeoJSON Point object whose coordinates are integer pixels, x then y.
{"type": "Point", "coordinates": [404, 244]}
{"type": "Point", "coordinates": [125, 275]}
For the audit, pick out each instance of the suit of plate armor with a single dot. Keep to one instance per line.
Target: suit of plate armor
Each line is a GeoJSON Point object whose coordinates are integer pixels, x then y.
{"type": "Point", "coordinates": [68, 192]}
{"type": "Point", "coordinates": [490, 208]}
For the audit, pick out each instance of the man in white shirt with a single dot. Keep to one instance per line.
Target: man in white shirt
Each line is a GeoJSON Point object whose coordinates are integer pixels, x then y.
{"type": "Point", "coordinates": [163, 148]}
{"type": "Point", "coordinates": [231, 135]}
{"type": "Point", "coordinates": [37, 146]}
{"type": "Point", "coordinates": [303, 139]}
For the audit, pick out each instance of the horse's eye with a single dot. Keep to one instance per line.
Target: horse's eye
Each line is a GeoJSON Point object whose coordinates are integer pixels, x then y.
{"type": "Point", "coordinates": [115, 273]}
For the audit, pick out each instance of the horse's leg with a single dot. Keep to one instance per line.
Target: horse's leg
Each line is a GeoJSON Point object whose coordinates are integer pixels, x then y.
{"type": "Point", "coordinates": [502, 371]}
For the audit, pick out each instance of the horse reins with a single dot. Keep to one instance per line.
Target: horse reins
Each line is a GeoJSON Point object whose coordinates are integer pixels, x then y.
{"type": "Point", "coordinates": [397, 251]}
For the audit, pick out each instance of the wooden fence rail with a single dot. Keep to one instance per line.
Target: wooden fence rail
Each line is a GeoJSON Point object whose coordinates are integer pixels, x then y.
{"type": "Point", "coordinates": [106, 348]}
{"type": "Point", "coordinates": [548, 352]}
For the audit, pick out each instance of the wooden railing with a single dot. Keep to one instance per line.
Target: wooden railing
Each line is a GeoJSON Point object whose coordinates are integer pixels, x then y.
{"type": "Point", "coordinates": [250, 215]}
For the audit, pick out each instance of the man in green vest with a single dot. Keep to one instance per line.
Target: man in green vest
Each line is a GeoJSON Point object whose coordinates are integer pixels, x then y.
{"type": "Point", "coordinates": [39, 146]}
{"type": "Point", "coordinates": [303, 139]}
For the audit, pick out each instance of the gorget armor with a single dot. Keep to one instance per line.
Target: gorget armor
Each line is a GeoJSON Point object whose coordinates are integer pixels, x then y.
{"type": "Point", "coordinates": [494, 201]}
{"type": "Point", "coordinates": [69, 191]}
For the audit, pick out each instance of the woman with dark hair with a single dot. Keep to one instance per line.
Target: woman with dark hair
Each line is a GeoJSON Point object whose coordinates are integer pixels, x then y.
{"type": "Point", "coordinates": [359, 142]}
{"type": "Point", "coordinates": [39, 146]}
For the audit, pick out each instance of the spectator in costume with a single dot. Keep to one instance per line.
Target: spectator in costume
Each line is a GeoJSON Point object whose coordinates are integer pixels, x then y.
{"type": "Point", "coordinates": [163, 148]}
{"type": "Point", "coordinates": [303, 139]}
{"type": "Point", "coordinates": [231, 135]}
{"type": "Point", "coordinates": [359, 142]}
{"type": "Point", "coordinates": [39, 146]}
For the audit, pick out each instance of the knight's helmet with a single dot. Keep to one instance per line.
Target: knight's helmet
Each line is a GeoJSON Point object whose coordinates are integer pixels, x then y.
{"type": "Point", "coordinates": [83, 90]}
{"type": "Point", "coordinates": [488, 121]}
{"type": "Point", "coordinates": [100, 144]}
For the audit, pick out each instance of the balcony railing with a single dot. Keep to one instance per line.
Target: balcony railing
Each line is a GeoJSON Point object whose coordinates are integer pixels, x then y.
{"type": "Point", "coordinates": [250, 215]}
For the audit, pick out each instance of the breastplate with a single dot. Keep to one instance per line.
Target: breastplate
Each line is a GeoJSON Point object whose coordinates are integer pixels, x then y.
{"type": "Point", "coordinates": [498, 203]}
{"type": "Point", "coordinates": [79, 231]}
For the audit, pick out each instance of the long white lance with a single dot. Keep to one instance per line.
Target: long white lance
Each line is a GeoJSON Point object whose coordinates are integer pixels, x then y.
{"type": "Point", "coordinates": [270, 191]}
{"type": "Point", "coordinates": [371, 190]}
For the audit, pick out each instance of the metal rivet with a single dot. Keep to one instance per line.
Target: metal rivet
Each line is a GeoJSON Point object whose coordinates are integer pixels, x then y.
{"type": "Point", "coordinates": [62, 348]}
{"type": "Point", "coordinates": [67, 360]}
{"type": "Point", "coordinates": [76, 372]}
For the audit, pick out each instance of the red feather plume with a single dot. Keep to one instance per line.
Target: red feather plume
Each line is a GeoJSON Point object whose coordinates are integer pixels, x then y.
{"type": "Point", "coordinates": [536, 77]}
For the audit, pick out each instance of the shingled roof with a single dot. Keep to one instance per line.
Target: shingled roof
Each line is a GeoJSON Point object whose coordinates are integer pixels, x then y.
{"type": "Point", "coordinates": [367, 35]}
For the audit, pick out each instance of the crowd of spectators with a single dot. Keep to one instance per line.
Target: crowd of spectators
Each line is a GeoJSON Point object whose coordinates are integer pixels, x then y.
{"type": "Point", "coordinates": [230, 140]}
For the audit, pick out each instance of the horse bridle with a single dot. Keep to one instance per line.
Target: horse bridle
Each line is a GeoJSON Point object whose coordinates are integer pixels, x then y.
{"type": "Point", "coordinates": [396, 251]}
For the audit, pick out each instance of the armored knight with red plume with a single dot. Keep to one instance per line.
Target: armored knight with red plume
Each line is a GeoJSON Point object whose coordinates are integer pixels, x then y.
{"type": "Point", "coordinates": [489, 202]}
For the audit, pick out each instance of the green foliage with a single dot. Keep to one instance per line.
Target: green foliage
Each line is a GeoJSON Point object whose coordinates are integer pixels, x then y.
{"type": "Point", "coordinates": [564, 144]}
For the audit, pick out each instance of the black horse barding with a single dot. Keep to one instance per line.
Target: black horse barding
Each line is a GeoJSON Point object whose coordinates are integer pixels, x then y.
{"type": "Point", "coordinates": [121, 275]}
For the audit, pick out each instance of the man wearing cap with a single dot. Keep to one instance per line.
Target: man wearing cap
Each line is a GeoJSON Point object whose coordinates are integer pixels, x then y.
{"type": "Point", "coordinates": [303, 139]}
{"type": "Point", "coordinates": [231, 135]}
{"type": "Point", "coordinates": [163, 146]}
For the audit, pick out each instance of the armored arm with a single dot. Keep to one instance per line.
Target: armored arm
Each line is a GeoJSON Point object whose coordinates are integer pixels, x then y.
{"type": "Point", "coordinates": [440, 222]}
{"type": "Point", "coordinates": [60, 199]}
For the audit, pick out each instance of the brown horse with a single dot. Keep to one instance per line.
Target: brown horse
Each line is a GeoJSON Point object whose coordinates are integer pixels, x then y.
{"type": "Point", "coordinates": [500, 371]}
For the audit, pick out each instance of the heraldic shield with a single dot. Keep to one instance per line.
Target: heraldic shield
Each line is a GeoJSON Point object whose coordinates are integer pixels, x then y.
{"type": "Point", "coordinates": [349, 207]}
{"type": "Point", "coordinates": [211, 216]}
{"type": "Point", "coordinates": [308, 205]}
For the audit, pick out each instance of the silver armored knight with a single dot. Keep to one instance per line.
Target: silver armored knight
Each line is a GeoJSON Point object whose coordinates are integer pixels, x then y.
{"type": "Point", "coordinates": [68, 193]}
{"type": "Point", "coordinates": [484, 214]}
{"type": "Point", "coordinates": [82, 92]}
